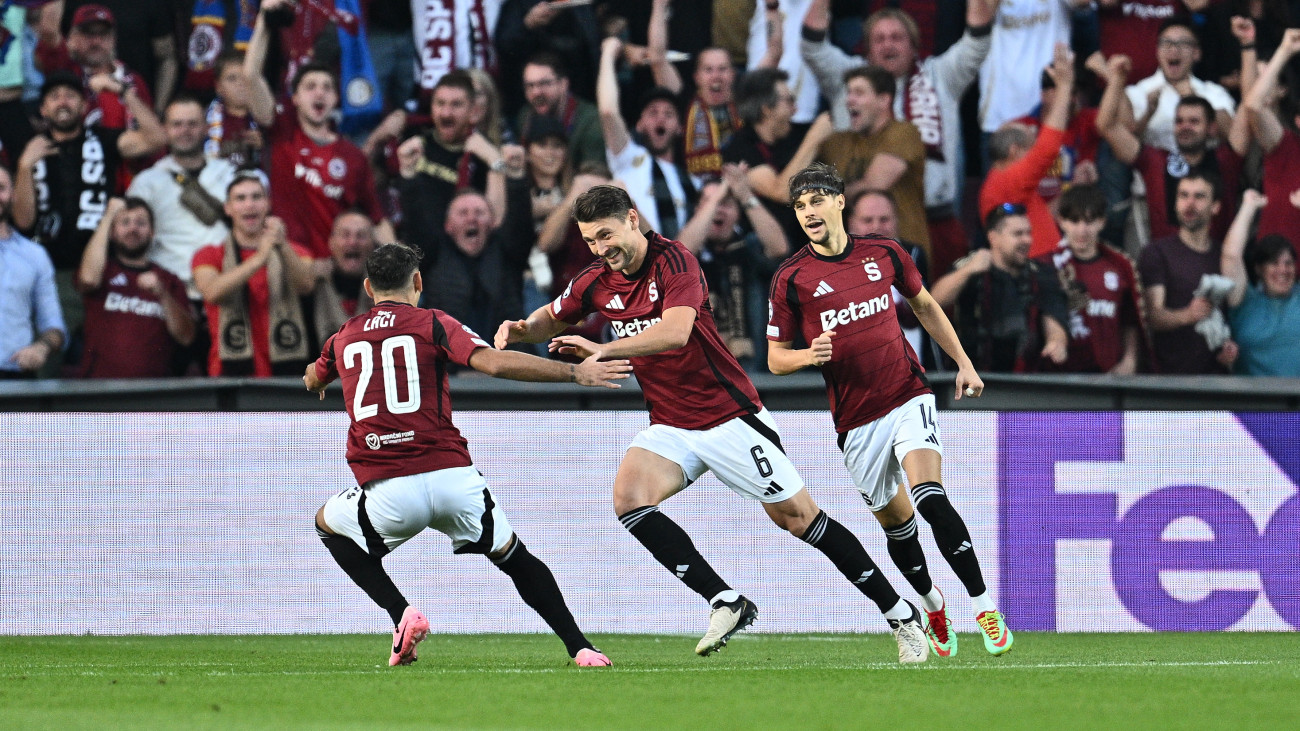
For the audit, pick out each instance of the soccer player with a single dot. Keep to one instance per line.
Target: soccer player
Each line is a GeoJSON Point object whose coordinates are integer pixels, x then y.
{"type": "Point", "coordinates": [412, 465]}
{"type": "Point", "coordinates": [835, 292]}
{"type": "Point", "coordinates": [704, 414]}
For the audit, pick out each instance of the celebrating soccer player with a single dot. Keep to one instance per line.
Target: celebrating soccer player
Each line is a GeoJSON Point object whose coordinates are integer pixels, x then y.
{"type": "Point", "coordinates": [704, 414]}
{"type": "Point", "coordinates": [412, 465]}
{"type": "Point", "coordinates": [836, 293]}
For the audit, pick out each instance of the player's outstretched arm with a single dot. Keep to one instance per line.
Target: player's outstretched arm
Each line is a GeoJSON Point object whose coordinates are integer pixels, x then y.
{"type": "Point", "coordinates": [537, 327]}
{"type": "Point", "coordinates": [935, 322]}
{"type": "Point", "coordinates": [670, 333]}
{"type": "Point", "coordinates": [516, 366]}
{"type": "Point", "coordinates": [783, 360]}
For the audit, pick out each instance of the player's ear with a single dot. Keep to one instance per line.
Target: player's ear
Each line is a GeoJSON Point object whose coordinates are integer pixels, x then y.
{"type": "Point", "coordinates": [417, 281]}
{"type": "Point", "coordinates": [370, 291]}
{"type": "Point", "coordinates": [839, 201]}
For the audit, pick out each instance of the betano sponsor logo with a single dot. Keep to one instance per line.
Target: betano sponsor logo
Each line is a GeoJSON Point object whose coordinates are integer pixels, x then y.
{"type": "Point", "coordinates": [854, 312]}
{"type": "Point", "coordinates": [633, 327]}
{"type": "Point", "coordinates": [116, 302]}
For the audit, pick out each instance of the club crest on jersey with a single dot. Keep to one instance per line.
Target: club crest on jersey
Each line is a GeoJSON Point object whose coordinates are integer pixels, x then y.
{"type": "Point", "coordinates": [854, 312]}
{"type": "Point", "coordinates": [337, 168]}
{"type": "Point", "coordinates": [1111, 280]}
{"type": "Point", "coordinates": [873, 271]}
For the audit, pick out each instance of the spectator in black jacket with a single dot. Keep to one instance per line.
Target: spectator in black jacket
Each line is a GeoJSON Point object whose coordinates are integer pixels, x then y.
{"type": "Point", "coordinates": [474, 270]}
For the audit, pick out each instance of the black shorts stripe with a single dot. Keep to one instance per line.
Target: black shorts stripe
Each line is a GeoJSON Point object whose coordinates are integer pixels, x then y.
{"type": "Point", "coordinates": [375, 545]}
{"type": "Point", "coordinates": [484, 543]}
{"type": "Point", "coordinates": [768, 432]}
{"type": "Point", "coordinates": [841, 439]}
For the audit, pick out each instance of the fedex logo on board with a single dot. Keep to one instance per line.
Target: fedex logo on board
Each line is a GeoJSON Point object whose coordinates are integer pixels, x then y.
{"type": "Point", "coordinates": [1136, 508]}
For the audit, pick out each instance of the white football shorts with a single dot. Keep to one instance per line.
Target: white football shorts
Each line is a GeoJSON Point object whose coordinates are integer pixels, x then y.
{"type": "Point", "coordinates": [388, 513]}
{"type": "Point", "coordinates": [874, 452]}
{"type": "Point", "coordinates": [745, 453]}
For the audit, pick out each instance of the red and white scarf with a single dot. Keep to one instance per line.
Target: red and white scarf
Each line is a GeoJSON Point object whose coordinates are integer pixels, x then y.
{"type": "Point", "coordinates": [454, 34]}
{"type": "Point", "coordinates": [921, 108]}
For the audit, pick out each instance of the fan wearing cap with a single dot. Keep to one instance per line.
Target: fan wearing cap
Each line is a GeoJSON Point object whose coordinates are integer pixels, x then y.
{"type": "Point", "coordinates": [1010, 311]}
{"type": "Point", "coordinates": [148, 34]}
{"type": "Point", "coordinates": [315, 172]}
{"type": "Point", "coordinates": [120, 97]}
{"type": "Point", "coordinates": [647, 162]}
{"type": "Point", "coordinates": [66, 176]}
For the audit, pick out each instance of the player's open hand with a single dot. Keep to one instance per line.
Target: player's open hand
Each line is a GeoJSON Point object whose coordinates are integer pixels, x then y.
{"type": "Point", "coordinates": [819, 350]}
{"type": "Point", "coordinates": [510, 331]}
{"type": "Point", "coordinates": [314, 384]}
{"type": "Point", "coordinates": [596, 373]}
{"type": "Point", "coordinates": [574, 345]}
{"type": "Point", "coordinates": [968, 383]}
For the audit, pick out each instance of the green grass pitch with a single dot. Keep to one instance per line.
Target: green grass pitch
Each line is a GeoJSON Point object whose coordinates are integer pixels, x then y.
{"type": "Point", "coordinates": [1049, 681]}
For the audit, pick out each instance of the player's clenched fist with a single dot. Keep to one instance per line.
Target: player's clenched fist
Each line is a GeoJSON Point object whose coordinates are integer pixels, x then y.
{"type": "Point", "coordinates": [510, 331]}
{"type": "Point", "coordinates": [820, 348]}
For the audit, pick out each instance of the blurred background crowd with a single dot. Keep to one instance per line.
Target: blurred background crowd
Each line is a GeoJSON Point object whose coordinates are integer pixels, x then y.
{"type": "Point", "coordinates": [191, 187]}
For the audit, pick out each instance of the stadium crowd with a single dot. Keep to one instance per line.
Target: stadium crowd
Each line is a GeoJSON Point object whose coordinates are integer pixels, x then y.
{"type": "Point", "coordinates": [192, 188]}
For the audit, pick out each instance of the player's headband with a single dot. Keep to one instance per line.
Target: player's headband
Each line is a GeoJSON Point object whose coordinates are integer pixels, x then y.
{"type": "Point", "coordinates": [797, 193]}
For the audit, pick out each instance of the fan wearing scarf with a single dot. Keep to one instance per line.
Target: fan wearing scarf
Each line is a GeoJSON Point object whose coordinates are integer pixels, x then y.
{"type": "Point", "coordinates": [928, 95]}
{"type": "Point", "coordinates": [251, 284]}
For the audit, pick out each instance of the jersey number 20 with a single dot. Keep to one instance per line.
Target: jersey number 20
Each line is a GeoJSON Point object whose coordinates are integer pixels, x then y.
{"type": "Point", "coordinates": [366, 352]}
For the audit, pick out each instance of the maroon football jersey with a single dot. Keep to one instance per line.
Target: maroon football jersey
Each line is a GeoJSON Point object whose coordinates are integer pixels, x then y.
{"type": "Point", "coordinates": [1105, 299]}
{"type": "Point", "coordinates": [696, 386]}
{"type": "Point", "coordinates": [126, 328]}
{"type": "Point", "coordinates": [393, 362]}
{"type": "Point", "coordinates": [873, 369]}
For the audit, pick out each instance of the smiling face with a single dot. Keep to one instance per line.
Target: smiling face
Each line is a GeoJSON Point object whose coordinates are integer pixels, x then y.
{"type": "Point", "coordinates": [186, 128]}
{"type": "Point", "coordinates": [469, 223]}
{"type": "Point", "coordinates": [616, 241]}
{"type": "Point", "coordinates": [1010, 240]}
{"type": "Point", "coordinates": [1277, 276]}
{"type": "Point", "coordinates": [821, 214]}
{"type": "Point", "coordinates": [1177, 50]}
{"type": "Point", "coordinates": [315, 98]}
{"type": "Point", "coordinates": [64, 108]}
{"type": "Point", "coordinates": [546, 156]}
{"type": "Point", "coordinates": [891, 47]}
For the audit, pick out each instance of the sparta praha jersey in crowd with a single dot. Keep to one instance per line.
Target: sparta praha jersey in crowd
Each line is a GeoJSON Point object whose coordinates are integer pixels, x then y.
{"type": "Point", "coordinates": [393, 363]}
{"type": "Point", "coordinates": [873, 369]}
{"type": "Point", "coordinates": [696, 386]}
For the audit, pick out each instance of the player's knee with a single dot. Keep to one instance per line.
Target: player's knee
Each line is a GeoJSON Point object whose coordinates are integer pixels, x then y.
{"type": "Point", "coordinates": [793, 515]}
{"type": "Point", "coordinates": [933, 505]}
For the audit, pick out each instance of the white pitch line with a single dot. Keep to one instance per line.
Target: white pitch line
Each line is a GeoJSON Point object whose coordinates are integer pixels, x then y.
{"type": "Point", "coordinates": [931, 667]}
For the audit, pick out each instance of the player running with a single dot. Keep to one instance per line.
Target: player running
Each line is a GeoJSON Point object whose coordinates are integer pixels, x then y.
{"type": "Point", "coordinates": [412, 465]}
{"type": "Point", "coordinates": [704, 414]}
{"type": "Point", "coordinates": [836, 293]}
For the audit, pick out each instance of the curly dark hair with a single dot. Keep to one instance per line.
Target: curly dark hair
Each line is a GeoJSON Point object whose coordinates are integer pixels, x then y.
{"type": "Point", "coordinates": [391, 266]}
{"type": "Point", "coordinates": [817, 176]}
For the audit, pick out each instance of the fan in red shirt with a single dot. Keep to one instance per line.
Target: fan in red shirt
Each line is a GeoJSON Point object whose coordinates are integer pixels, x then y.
{"type": "Point", "coordinates": [1019, 161]}
{"type": "Point", "coordinates": [315, 173]}
{"type": "Point", "coordinates": [836, 293]}
{"type": "Point", "coordinates": [705, 414]}
{"type": "Point", "coordinates": [137, 313]}
{"type": "Point", "coordinates": [1101, 284]}
{"type": "Point", "coordinates": [412, 465]}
